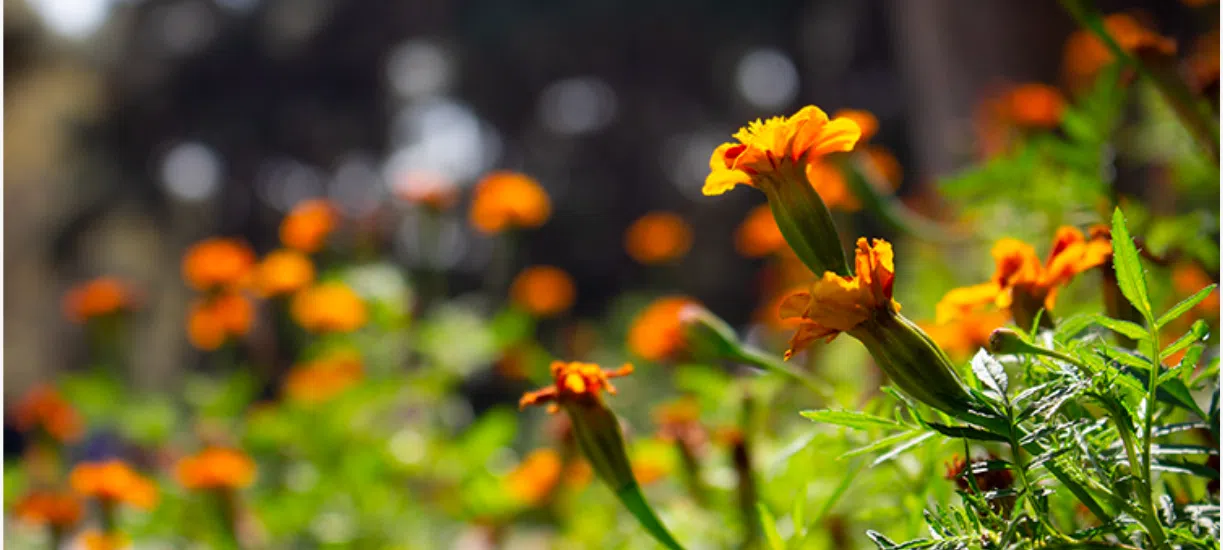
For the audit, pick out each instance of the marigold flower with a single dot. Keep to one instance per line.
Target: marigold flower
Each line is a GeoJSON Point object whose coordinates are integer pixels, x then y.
{"type": "Point", "coordinates": [216, 468]}
{"type": "Point", "coordinates": [308, 225]}
{"type": "Point", "coordinates": [865, 120]}
{"type": "Point", "coordinates": [322, 379]}
{"type": "Point", "coordinates": [656, 334]}
{"type": "Point", "coordinates": [58, 510]}
{"type": "Point", "coordinates": [328, 307]}
{"type": "Point", "coordinates": [505, 200]}
{"type": "Point", "coordinates": [217, 262]}
{"type": "Point", "coordinates": [658, 237]}
{"type": "Point", "coordinates": [836, 303]}
{"type": "Point", "coordinates": [44, 408]}
{"type": "Point", "coordinates": [535, 477]}
{"type": "Point", "coordinates": [97, 298]}
{"type": "Point", "coordinates": [282, 272]}
{"type": "Point", "coordinates": [113, 481]}
{"type": "Point", "coordinates": [964, 333]}
{"type": "Point", "coordinates": [93, 539]}
{"type": "Point", "coordinates": [885, 163]}
{"type": "Point", "coordinates": [1188, 278]}
{"type": "Point", "coordinates": [543, 290]}
{"type": "Point", "coordinates": [758, 235]}
{"type": "Point", "coordinates": [765, 147]}
{"type": "Point", "coordinates": [213, 320]}
{"type": "Point", "coordinates": [1085, 54]}
{"type": "Point", "coordinates": [1035, 105]}
{"type": "Point", "coordinates": [575, 382]}
{"type": "Point", "coordinates": [828, 180]}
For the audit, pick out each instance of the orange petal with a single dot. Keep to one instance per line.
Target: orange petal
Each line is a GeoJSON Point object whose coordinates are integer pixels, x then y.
{"type": "Point", "coordinates": [721, 181]}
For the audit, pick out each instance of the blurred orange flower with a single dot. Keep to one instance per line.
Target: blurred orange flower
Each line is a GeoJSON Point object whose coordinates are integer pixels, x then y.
{"type": "Point", "coordinates": [574, 382]}
{"type": "Point", "coordinates": [216, 468]}
{"type": "Point", "coordinates": [44, 408]}
{"type": "Point", "coordinates": [1085, 55]}
{"type": "Point", "coordinates": [329, 307]}
{"type": "Point", "coordinates": [217, 262]}
{"type": "Point", "coordinates": [764, 148]}
{"type": "Point", "coordinates": [650, 468]}
{"type": "Point", "coordinates": [1188, 278]}
{"type": "Point", "coordinates": [93, 539]}
{"type": "Point", "coordinates": [535, 477]}
{"type": "Point", "coordinates": [758, 235]}
{"type": "Point", "coordinates": [214, 319]}
{"type": "Point", "coordinates": [658, 237]}
{"type": "Point", "coordinates": [865, 120]}
{"type": "Point", "coordinates": [543, 290]}
{"type": "Point", "coordinates": [283, 272]}
{"type": "Point", "coordinates": [322, 379]}
{"type": "Point", "coordinates": [656, 333]}
{"type": "Point", "coordinates": [1202, 65]}
{"type": "Point", "coordinates": [308, 225]}
{"type": "Point", "coordinates": [113, 481]}
{"type": "Point", "coordinates": [96, 298]}
{"type": "Point", "coordinates": [885, 163]}
{"type": "Point", "coordinates": [505, 200]}
{"type": "Point", "coordinates": [829, 183]}
{"type": "Point", "coordinates": [837, 304]}
{"type": "Point", "coordinates": [962, 335]}
{"type": "Point", "coordinates": [58, 510]}
{"type": "Point", "coordinates": [1035, 105]}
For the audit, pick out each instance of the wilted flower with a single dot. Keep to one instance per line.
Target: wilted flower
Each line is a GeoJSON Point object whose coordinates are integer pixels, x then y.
{"type": "Point", "coordinates": [543, 290]}
{"type": "Point", "coordinates": [57, 510]}
{"type": "Point", "coordinates": [505, 200]}
{"type": "Point", "coordinates": [217, 262]}
{"type": "Point", "coordinates": [328, 307]}
{"type": "Point", "coordinates": [97, 298]}
{"type": "Point", "coordinates": [656, 333]}
{"type": "Point", "coordinates": [283, 272]}
{"type": "Point", "coordinates": [1085, 55]}
{"type": "Point", "coordinates": [658, 237]}
{"type": "Point", "coordinates": [212, 320]}
{"type": "Point", "coordinates": [308, 225]}
{"type": "Point", "coordinates": [216, 468]}
{"type": "Point", "coordinates": [758, 235]}
{"type": "Point", "coordinates": [113, 481]}
{"type": "Point", "coordinates": [43, 408]}
{"type": "Point", "coordinates": [322, 379]}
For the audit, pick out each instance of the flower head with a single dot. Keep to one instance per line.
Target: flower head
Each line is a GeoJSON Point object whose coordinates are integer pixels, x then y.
{"type": "Point", "coordinates": [93, 539]}
{"type": "Point", "coordinates": [213, 320]}
{"type": "Point", "coordinates": [658, 237]}
{"type": "Point", "coordinates": [578, 383]}
{"type": "Point", "coordinates": [656, 334]}
{"type": "Point", "coordinates": [963, 333]}
{"type": "Point", "coordinates": [766, 146]}
{"type": "Point", "coordinates": [308, 225]}
{"type": "Point", "coordinates": [328, 307]}
{"type": "Point", "coordinates": [217, 262]}
{"type": "Point", "coordinates": [283, 272]}
{"type": "Point", "coordinates": [58, 510]}
{"type": "Point", "coordinates": [216, 468]}
{"type": "Point", "coordinates": [505, 200]}
{"type": "Point", "coordinates": [113, 481]}
{"type": "Point", "coordinates": [97, 298]}
{"type": "Point", "coordinates": [45, 409]}
{"type": "Point", "coordinates": [837, 303]}
{"type": "Point", "coordinates": [543, 290]}
{"type": "Point", "coordinates": [322, 379]}
{"type": "Point", "coordinates": [758, 235]}
{"type": "Point", "coordinates": [1085, 54]}
{"type": "Point", "coordinates": [1035, 105]}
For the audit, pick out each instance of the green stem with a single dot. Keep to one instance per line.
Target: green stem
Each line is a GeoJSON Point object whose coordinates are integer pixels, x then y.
{"type": "Point", "coordinates": [1155, 529]}
{"type": "Point", "coordinates": [757, 358]}
{"type": "Point", "coordinates": [632, 499]}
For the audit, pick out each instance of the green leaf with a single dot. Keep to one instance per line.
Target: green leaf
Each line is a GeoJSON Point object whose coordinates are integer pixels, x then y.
{"type": "Point", "coordinates": [882, 443]}
{"type": "Point", "coordinates": [851, 419]}
{"type": "Point", "coordinates": [770, 527]}
{"type": "Point", "coordinates": [632, 499]}
{"type": "Point", "coordinates": [966, 432]}
{"type": "Point", "coordinates": [1125, 328]}
{"type": "Point", "coordinates": [1128, 267]}
{"type": "Point", "coordinates": [897, 450]}
{"type": "Point", "coordinates": [1198, 332]}
{"type": "Point", "coordinates": [990, 372]}
{"type": "Point", "coordinates": [1184, 306]}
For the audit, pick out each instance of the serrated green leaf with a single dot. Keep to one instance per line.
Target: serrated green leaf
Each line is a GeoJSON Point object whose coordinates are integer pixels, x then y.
{"type": "Point", "coordinates": [851, 419]}
{"type": "Point", "coordinates": [1124, 328]}
{"type": "Point", "coordinates": [1185, 305]}
{"type": "Point", "coordinates": [879, 444]}
{"type": "Point", "coordinates": [901, 448]}
{"type": "Point", "coordinates": [1128, 267]}
{"type": "Point", "coordinates": [1198, 332]}
{"type": "Point", "coordinates": [965, 432]}
{"type": "Point", "coordinates": [990, 372]}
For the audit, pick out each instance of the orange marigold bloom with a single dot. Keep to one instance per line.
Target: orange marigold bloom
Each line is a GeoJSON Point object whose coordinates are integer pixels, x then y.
{"type": "Point", "coordinates": [322, 379]}
{"type": "Point", "coordinates": [829, 182]}
{"type": "Point", "coordinates": [44, 408]}
{"type": "Point", "coordinates": [577, 382]}
{"type": "Point", "coordinates": [758, 235]}
{"type": "Point", "coordinates": [1188, 278]}
{"type": "Point", "coordinates": [216, 468]}
{"type": "Point", "coordinates": [535, 477]}
{"type": "Point", "coordinates": [656, 334]}
{"type": "Point", "coordinates": [965, 333]}
{"type": "Point", "coordinates": [213, 320]}
{"type": "Point", "coordinates": [308, 225]}
{"type": "Point", "coordinates": [58, 510]}
{"type": "Point", "coordinates": [658, 237]}
{"type": "Point", "coordinates": [543, 290]}
{"type": "Point", "coordinates": [885, 163]}
{"type": "Point", "coordinates": [217, 262]}
{"type": "Point", "coordinates": [94, 539]}
{"type": "Point", "coordinates": [765, 147]}
{"type": "Point", "coordinates": [113, 481]}
{"type": "Point", "coordinates": [1017, 268]}
{"type": "Point", "coordinates": [865, 120]}
{"type": "Point", "coordinates": [1035, 105]}
{"type": "Point", "coordinates": [283, 272]}
{"type": "Point", "coordinates": [505, 200]}
{"type": "Point", "coordinates": [96, 298]}
{"type": "Point", "coordinates": [1085, 54]}
{"type": "Point", "coordinates": [837, 304]}
{"type": "Point", "coordinates": [328, 307]}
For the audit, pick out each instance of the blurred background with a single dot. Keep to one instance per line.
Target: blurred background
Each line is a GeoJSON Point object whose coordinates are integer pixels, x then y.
{"type": "Point", "coordinates": [135, 128]}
